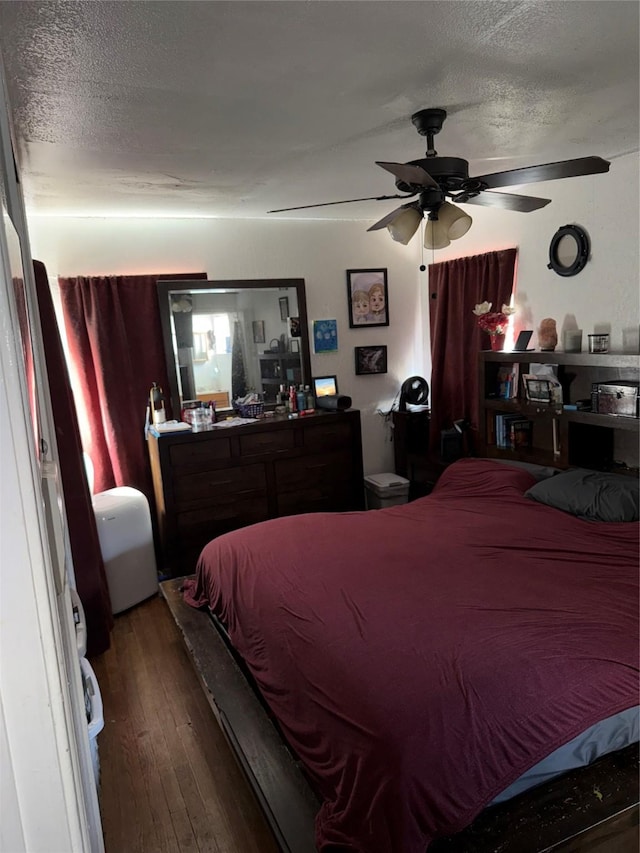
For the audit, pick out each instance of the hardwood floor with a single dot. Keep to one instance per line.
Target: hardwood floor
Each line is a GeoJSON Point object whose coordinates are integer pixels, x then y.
{"type": "Point", "coordinates": [169, 781]}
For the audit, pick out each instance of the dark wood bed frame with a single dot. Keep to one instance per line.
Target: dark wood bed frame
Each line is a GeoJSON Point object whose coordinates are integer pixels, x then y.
{"type": "Point", "coordinates": [592, 810]}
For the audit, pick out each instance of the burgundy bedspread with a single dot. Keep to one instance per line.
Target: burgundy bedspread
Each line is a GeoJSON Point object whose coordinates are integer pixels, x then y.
{"type": "Point", "coordinates": [421, 658]}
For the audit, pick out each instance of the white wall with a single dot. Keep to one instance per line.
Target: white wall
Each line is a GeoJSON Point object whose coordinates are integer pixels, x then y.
{"type": "Point", "coordinates": [605, 294]}
{"type": "Point", "coordinates": [319, 252]}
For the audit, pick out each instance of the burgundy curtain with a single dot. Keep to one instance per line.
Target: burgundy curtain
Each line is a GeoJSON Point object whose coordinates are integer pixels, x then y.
{"type": "Point", "coordinates": [116, 351]}
{"type": "Point", "coordinates": [455, 288]}
{"type": "Point", "coordinates": [91, 581]}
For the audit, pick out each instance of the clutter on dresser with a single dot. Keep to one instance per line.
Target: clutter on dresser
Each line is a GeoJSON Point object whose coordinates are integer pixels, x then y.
{"type": "Point", "coordinates": [169, 426]}
{"type": "Point", "coordinates": [156, 404]}
{"type": "Point", "coordinates": [249, 406]}
{"type": "Point", "coordinates": [199, 415]}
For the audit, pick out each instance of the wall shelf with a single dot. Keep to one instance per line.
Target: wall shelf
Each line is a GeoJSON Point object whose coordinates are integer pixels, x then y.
{"type": "Point", "coordinates": [559, 437]}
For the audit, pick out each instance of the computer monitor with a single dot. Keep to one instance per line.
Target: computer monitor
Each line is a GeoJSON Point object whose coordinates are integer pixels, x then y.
{"type": "Point", "coordinates": [324, 386]}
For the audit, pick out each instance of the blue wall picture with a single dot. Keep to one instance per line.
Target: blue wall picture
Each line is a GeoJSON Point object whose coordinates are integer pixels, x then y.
{"type": "Point", "coordinates": [325, 336]}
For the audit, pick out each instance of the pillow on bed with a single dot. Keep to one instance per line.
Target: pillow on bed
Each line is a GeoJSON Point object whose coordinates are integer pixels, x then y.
{"type": "Point", "coordinates": [540, 472]}
{"type": "Point", "coordinates": [591, 495]}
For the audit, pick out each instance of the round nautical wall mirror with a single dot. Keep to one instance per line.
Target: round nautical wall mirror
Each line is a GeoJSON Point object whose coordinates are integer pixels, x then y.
{"type": "Point", "coordinates": [568, 250]}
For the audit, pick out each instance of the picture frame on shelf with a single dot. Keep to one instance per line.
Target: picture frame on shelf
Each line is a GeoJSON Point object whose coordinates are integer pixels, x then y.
{"type": "Point", "coordinates": [368, 298]}
{"type": "Point", "coordinates": [284, 308]}
{"type": "Point", "coordinates": [542, 389]}
{"type": "Point", "coordinates": [370, 360]}
{"type": "Point", "coordinates": [294, 345]}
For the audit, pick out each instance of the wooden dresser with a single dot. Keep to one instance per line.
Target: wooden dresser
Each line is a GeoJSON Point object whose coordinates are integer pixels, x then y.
{"type": "Point", "coordinates": [211, 482]}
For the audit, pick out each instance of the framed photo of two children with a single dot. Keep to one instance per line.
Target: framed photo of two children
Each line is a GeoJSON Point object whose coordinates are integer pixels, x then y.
{"type": "Point", "coordinates": [368, 298]}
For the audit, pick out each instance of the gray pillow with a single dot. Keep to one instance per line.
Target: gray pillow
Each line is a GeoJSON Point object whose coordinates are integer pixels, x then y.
{"type": "Point", "coordinates": [592, 495]}
{"type": "Point", "coordinates": [540, 472]}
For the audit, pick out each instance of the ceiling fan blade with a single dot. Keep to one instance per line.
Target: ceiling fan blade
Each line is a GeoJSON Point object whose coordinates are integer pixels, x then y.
{"type": "Point", "coordinates": [382, 223]}
{"type": "Point", "coordinates": [507, 201]}
{"type": "Point", "coordinates": [345, 201]}
{"type": "Point", "coordinates": [545, 172]}
{"type": "Point", "coordinates": [414, 175]}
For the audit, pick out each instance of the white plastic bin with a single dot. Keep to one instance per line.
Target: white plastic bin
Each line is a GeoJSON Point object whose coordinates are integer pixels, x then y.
{"type": "Point", "coordinates": [123, 520]}
{"type": "Point", "coordinates": [95, 714]}
{"type": "Point", "coordinates": [384, 490]}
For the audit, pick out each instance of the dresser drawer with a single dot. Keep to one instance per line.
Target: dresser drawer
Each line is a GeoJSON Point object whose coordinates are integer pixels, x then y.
{"type": "Point", "coordinates": [320, 471]}
{"type": "Point", "coordinates": [197, 528]}
{"type": "Point", "coordinates": [330, 435]}
{"type": "Point", "coordinates": [322, 497]}
{"type": "Point", "coordinates": [259, 443]}
{"type": "Point", "coordinates": [220, 486]}
{"type": "Point", "coordinates": [196, 454]}
{"type": "Point", "coordinates": [204, 524]}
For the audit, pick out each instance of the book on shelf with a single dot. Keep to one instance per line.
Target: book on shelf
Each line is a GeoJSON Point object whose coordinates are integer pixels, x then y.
{"type": "Point", "coordinates": [508, 375]}
{"type": "Point", "coordinates": [512, 431]}
{"type": "Point", "coordinates": [520, 434]}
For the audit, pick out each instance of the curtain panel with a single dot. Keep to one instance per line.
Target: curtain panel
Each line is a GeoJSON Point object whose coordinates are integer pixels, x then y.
{"type": "Point", "coordinates": [455, 288]}
{"type": "Point", "coordinates": [88, 567]}
{"type": "Point", "coordinates": [116, 351]}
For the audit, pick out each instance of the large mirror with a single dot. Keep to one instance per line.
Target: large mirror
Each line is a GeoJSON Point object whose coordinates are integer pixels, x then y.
{"type": "Point", "coordinates": [224, 339]}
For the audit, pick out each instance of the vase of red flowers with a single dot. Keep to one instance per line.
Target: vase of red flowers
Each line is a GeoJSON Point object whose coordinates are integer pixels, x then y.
{"type": "Point", "coordinates": [494, 323]}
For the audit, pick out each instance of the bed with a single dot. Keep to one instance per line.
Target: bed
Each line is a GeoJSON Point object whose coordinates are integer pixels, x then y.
{"type": "Point", "coordinates": [420, 660]}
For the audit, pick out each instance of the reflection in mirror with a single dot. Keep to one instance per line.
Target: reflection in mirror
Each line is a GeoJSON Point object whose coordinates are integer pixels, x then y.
{"type": "Point", "coordinates": [566, 251]}
{"type": "Point", "coordinates": [224, 339]}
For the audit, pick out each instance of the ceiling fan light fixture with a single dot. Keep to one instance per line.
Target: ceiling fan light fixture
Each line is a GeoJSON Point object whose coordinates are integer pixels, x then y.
{"type": "Point", "coordinates": [405, 225]}
{"type": "Point", "coordinates": [455, 220]}
{"type": "Point", "coordinates": [435, 235]}
{"type": "Point", "coordinates": [451, 224]}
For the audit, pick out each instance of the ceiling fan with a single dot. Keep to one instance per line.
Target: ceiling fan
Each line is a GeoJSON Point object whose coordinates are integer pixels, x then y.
{"type": "Point", "coordinates": [434, 179]}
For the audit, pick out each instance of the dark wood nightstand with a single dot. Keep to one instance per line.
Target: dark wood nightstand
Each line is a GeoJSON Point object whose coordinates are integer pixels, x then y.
{"type": "Point", "coordinates": [411, 452]}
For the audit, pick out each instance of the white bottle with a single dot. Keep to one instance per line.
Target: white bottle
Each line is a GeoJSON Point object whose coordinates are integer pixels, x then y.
{"type": "Point", "coordinates": [311, 400]}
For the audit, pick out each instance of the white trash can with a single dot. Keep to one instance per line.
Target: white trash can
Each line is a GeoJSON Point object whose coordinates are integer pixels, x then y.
{"type": "Point", "coordinates": [384, 490]}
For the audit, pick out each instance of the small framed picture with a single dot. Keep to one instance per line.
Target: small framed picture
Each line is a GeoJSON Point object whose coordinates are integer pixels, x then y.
{"type": "Point", "coordinates": [258, 331]}
{"type": "Point", "coordinates": [325, 336]}
{"type": "Point", "coordinates": [368, 297]}
{"type": "Point", "coordinates": [325, 386]}
{"type": "Point", "coordinates": [294, 326]}
{"type": "Point", "coordinates": [537, 390]}
{"type": "Point", "coordinates": [284, 308]}
{"type": "Point", "coordinates": [371, 360]}
{"type": "Point", "coordinates": [294, 345]}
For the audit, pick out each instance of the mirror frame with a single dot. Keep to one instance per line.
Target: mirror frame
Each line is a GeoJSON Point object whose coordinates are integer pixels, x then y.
{"type": "Point", "coordinates": [167, 286]}
{"type": "Point", "coordinates": [581, 240]}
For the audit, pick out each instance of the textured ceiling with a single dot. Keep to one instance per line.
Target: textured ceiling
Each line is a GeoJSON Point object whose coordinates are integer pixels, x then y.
{"type": "Point", "coordinates": [230, 109]}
